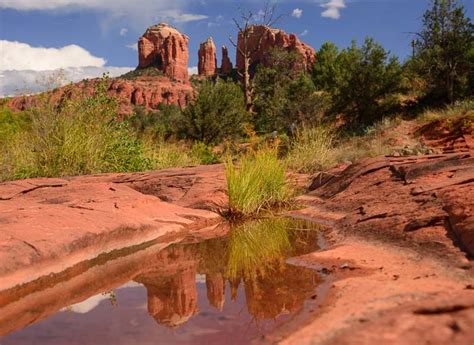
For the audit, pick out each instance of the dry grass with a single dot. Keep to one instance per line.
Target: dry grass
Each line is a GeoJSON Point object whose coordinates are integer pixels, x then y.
{"type": "Point", "coordinates": [258, 182]}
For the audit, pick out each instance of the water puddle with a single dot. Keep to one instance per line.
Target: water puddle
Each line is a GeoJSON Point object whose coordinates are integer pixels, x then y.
{"type": "Point", "coordinates": [227, 290]}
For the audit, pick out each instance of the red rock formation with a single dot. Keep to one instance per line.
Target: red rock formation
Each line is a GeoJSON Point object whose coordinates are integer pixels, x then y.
{"type": "Point", "coordinates": [173, 301]}
{"type": "Point", "coordinates": [148, 92]}
{"type": "Point", "coordinates": [271, 38]}
{"type": "Point", "coordinates": [164, 47]}
{"type": "Point", "coordinates": [215, 283]}
{"type": "Point", "coordinates": [207, 64]}
{"type": "Point", "coordinates": [226, 64]}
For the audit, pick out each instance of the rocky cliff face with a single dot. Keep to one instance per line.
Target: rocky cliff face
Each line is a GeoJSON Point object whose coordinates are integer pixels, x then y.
{"type": "Point", "coordinates": [263, 38]}
{"type": "Point", "coordinates": [165, 48]}
{"type": "Point", "coordinates": [226, 64]}
{"type": "Point", "coordinates": [207, 64]}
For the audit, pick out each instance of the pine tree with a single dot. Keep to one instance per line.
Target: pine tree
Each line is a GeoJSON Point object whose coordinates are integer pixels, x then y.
{"type": "Point", "coordinates": [443, 49]}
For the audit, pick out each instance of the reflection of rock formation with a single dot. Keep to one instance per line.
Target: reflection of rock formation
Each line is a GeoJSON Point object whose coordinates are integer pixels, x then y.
{"type": "Point", "coordinates": [172, 301]}
{"type": "Point", "coordinates": [282, 291]}
{"type": "Point", "coordinates": [169, 275]}
{"type": "Point", "coordinates": [215, 284]}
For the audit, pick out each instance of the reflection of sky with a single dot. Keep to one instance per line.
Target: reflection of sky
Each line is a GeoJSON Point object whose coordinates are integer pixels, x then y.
{"type": "Point", "coordinates": [92, 302]}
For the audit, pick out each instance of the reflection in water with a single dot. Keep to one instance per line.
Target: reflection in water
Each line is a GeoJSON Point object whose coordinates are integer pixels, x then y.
{"type": "Point", "coordinates": [251, 257]}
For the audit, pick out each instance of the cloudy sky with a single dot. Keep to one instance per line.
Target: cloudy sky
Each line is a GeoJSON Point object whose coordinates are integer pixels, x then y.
{"type": "Point", "coordinates": [87, 37]}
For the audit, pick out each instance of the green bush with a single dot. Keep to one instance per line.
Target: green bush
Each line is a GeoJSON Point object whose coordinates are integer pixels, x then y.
{"type": "Point", "coordinates": [80, 137]}
{"type": "Point", "coordinates": [204, 153]}
{"type": "Point", "coordinates": [284, 94]}
{"type": "Point", "coordinates": [258, 182]}
{"type": "Point", "coordinates": [217, 114]}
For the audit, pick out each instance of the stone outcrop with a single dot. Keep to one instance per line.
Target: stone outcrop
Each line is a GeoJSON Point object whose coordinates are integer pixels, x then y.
{"type": "Point", "coordinates": [161, 47]}
{"type": "Point", "coordinates": [78, 218]}
{"type": "Point", "coordinates": [207, 64]}
{"type": "Point", "coordinates": [425, 200]}
{"type": "Point", "coordinates": [226, 64]}
{"type": "Point", "coordinates": [263, 38]}
{"type": "Point", "coordinates": [165, 48]}
{"type": "Point", "coordinates": [147, 92]}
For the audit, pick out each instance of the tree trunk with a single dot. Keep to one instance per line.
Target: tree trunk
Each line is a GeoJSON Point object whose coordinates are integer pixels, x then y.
{"type": "Point", "coordinates": [450, 87]}
{"type": "Point", "coordinates": [247, 85]}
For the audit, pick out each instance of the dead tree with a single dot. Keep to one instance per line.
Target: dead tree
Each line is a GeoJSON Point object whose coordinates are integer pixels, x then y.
{"type": "Point", "coordinates": [248, 19]}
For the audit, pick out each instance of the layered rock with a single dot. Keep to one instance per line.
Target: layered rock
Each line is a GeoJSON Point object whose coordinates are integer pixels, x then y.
{"type": "Point", "coordinates": [263, 38]}
{"type": "Point", "coordinates": [207, 64]}
{"type": "Point", "coordinates": [226, 64]}
{"type": "Point", "coordinates": [165, 48]}
{"type": "Point", "coordinates": [147, 92]}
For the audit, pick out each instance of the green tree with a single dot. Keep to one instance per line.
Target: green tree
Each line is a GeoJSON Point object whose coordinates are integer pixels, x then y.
{"type": "Point", "coordinates": [326, 68]}
{"type": "Point", "coordinates": [284, 93]}
{"type": "Point", "coordinates": [217, 113]}
{"type": "Point", "coordinates": [444, 49]}
{"type": "Point", "coordinates": [360, 79]}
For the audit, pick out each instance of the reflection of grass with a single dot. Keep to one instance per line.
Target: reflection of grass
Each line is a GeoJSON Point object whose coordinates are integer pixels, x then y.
{"type": "Point", "coordinates": [257, 183]}
{"type": "Point", "coordinates": [255, 247]}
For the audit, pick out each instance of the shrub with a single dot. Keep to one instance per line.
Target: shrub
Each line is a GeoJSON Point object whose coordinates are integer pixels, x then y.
{"type": "Point", "coordinates": [218, 113]}
{"type": "Point", "coordinates": [165, 154]}
{"type": "Point", "coordinates": [257, 183]}
{"type": "Point", "coordinates": [204, 153]}
{"type": "Point", "coordinates": [284, 94]}
{"type": "Point", "coordinates": [312, 150]}
{"type": "Point", "coordinates": [80, 137]}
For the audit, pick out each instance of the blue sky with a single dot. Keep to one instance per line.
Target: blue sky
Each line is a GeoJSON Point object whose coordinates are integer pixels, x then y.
{"type": "Point", "coordinates": [101, 33]}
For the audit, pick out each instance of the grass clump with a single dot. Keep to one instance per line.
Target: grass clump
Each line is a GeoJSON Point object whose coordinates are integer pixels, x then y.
{"type": "Point", "coordinates": [312, 150]}
{"type": "Point", "coordinates": [461, 108]}
{"type": "Point", "coordinates": [258, 182]}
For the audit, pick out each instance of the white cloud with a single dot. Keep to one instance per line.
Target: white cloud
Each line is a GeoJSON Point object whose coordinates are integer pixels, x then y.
{"type": "Point", "coordinates": [123, 32]}
{"type": "Point", "coordinates": [333, 9]}
{"type": "Point", "coordinates": [193, 70]}
{"type": "Point", "coordinates": [297, 13]}
{"type": "Point", "coordinates": [179, 17]}
{"type": "Point", "coordinates": [138, 13]}
{"type": "Point", "coordinates": [304, 33]}
{"type": "Point", "coordinates": [22, 56]}
{"type": "Point", "coordinates": [27, 81]}
{"type": "Point", "coordinates": [133, 46]}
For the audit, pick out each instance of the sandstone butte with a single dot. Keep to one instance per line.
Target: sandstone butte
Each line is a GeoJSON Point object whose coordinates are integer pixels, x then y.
{"type": "Point", "coordinates": [161, 48]}
{"type": "Point", "coordinates": [165, 51]}
{"type": "Point", "coordinates": [226, 64]}
{"type": "Point", "coordinates": [165, 48]}
{"type": "Point", "coordinates": [207, 63]}
{"type": "Point", "coordinates": [396, 260]}
{"type": "Point", "coordinates": [263, 38]}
